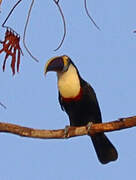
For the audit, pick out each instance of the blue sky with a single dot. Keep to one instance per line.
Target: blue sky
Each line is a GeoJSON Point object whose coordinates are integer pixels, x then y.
{"type": "Point", "coordinates": [106, 59]}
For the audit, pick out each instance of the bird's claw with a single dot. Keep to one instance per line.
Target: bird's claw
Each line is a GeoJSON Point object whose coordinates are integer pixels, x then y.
{"type": "Point", "coordinates": [66, 132]}
{"type": "Point", "coordinates": [89, 125]}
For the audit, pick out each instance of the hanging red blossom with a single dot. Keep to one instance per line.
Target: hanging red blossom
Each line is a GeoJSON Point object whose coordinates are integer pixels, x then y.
{"type": "Point", "coordinates": [12, 48]}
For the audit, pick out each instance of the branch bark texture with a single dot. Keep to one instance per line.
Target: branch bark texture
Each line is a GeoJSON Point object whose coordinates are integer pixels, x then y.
{"type": "Point", "coordinates": [120, 124]}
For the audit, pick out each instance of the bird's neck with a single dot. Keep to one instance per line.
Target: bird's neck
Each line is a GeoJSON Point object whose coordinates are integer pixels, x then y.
{"type": "Point", "coordinates": [69, 83]}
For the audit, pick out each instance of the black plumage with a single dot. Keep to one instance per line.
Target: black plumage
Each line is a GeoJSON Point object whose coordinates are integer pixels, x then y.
{"type": "Point", "coordinates": [86, 110]}
{"type": "Point", "coordinates": [83, 109]}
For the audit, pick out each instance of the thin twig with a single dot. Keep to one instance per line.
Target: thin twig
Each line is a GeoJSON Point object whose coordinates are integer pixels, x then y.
{"type": "Point", "coordinates": [88, 14]}
{"type": "Point", "coordinates": [25, 29]}
{"type": "Point", "coordinates": [3, 105]}
{"type": "Point", "coordinates": [3, 25]}
{"type": "Point", "coordinates": [120, 124]}
{"type": "Point", "coordinates": [64, 24]}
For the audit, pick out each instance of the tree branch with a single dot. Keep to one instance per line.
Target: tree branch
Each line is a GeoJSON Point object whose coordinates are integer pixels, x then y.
{"type": "Point", "coordinates": [122, 123]}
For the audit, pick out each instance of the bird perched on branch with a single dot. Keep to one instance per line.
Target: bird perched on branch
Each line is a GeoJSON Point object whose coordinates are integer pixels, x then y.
{"type": "Point", "coordinates": [78, 99]}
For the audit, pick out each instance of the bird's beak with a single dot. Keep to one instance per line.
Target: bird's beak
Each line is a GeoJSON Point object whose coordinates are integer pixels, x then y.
{"type": "Point", "coordinates": [54, 64]}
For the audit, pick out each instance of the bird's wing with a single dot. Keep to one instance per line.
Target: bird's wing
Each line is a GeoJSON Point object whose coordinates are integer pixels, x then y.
{"type": "Point", "coordinates": [91, 93]}
{"type": "Point", "coordinates": [91, 97]}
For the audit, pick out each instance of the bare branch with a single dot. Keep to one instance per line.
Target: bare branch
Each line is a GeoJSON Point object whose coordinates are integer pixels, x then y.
{"type": "Point", "coordinates": [122, 123]}
{"type": "Point", "coordinates": [3, 25]}
{"type": "Point", "coordinates": [1, 104]}
{"type": "Point", "coordinates": [88, 14]}
{"type": "Point", "coordinates": [25, 29]}
{"type": "Point", "coordinates": [64, 24]}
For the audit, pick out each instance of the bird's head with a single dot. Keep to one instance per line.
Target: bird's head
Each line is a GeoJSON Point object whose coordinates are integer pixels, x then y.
{"type": "Point", "coordinates": [67, 74]}
{"type": "Point", "coordinates": [58, 64]}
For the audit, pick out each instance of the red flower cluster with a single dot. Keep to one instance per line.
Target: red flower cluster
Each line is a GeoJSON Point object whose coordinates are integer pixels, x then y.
{"type": "Point", "coordinates": [12, 48]}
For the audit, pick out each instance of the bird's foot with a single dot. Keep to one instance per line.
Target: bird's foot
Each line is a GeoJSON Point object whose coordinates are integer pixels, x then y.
{"type": "Point", "coordinates": [66, 131]}
{"type": "Point", "coordinates": [89, 125]}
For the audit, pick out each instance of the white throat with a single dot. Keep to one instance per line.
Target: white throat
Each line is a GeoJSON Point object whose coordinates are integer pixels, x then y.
{"type": "Point", "coordinates": [68, 83]}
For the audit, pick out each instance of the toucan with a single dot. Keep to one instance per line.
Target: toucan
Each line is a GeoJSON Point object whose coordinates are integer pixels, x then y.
{"type": "Point", "coordinates": [78, 99]}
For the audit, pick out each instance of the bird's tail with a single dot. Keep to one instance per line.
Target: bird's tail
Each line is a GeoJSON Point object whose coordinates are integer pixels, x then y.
{"type": "Point", "coordinates": [105, 150]}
